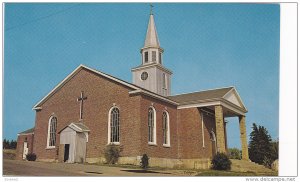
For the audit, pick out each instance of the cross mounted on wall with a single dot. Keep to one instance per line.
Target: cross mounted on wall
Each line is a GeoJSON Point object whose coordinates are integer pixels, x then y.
{"type": "Point", "coordinates": [81, 99]}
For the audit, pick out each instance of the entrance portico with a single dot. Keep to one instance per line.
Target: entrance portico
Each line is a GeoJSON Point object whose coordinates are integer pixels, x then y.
{"type": "Point", "coordinates": [221, 103]}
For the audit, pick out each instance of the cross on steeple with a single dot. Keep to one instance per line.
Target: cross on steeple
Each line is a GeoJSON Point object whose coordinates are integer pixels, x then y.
{"type": "Point", "coordinates": [151, 9]}
{"type": "Point", "coordinates": [81, 99]}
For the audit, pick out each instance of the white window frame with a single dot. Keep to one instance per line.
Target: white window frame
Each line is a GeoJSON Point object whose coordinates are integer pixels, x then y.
{"type": "Point", "coordinates": [168, 144]}
{"type": "Point", "coordinates": [48, 136]}
{"type": "Point", "coordinates": [109, 130]}
{"type": "Point", "coordinates": [154, 126]}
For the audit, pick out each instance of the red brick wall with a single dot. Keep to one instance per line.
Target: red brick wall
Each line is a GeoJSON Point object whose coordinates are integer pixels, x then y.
{"type": "Point", "coordinates": [185, 124]}
{"type": "Point", "coordinates": [190, 134]}
{"type": "Point", "coordinates": [101, 95]}
{"type": "Point", "coordinates": [158, 150]}
{"type": "Point", "coordinates": [20, 145]}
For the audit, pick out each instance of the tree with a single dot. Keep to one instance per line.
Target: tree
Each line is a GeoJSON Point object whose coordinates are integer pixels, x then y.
{"type": "Point", "coordinates": [260, 147]}
{"type": "Point", "coordinates": [9, 144]}
{"type": "Point", "coordinates": [234, 153]}
{"type": "Point", "coordinates": [13, 144]}
{"type": "Point", "coordinates": [275, 149]}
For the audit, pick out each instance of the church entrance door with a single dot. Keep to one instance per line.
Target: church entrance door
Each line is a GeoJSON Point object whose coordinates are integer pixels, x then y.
{"type": "Point", "coordinates": [66, 154]}
{"type": "Point", "coordinates": [73, 139]}
{"type": "Point", "coordinates": [213, 143]}
{"type": "Point", "coordinates": [25, 150]}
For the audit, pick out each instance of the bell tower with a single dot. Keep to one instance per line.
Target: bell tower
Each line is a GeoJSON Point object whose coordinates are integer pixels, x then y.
{"type": "Point", "coordinates": [151, 74]}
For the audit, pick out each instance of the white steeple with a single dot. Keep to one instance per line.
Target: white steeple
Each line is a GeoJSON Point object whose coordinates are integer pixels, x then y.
{"type": "Point", "coordinates": [151, 36]}
{"type": "Point", "coordinates": [151, 74]}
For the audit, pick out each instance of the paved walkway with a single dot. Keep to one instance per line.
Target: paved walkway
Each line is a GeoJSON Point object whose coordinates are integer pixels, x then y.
{"type": "Point", "coordinates": [27, 168]}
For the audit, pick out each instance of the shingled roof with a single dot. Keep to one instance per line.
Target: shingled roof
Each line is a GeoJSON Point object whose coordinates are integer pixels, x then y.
{"type": "Point", "coordinates": [31, 130]}
{"type": "Point", "coordinates": [201, 95]}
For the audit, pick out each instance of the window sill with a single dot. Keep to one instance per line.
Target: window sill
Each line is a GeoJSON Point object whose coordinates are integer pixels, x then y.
{"type": "Point", "coordinates": [151, 143]}
{"type": "Point", "coordinates": [50, 147]}
{"type": "Point", "coordinates": [114, 143]}
{"type": "Point", "coordinates": [167, 145]}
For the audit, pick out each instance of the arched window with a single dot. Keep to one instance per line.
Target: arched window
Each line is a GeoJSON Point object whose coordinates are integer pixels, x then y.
{"type": "Point", "coordinates": [213, 142]}
{"type": "Point", "coordinates": [166, 129]}
{"type": "Point", "coordinates": [151, 126]}
{"type": "Point", "coordinates": [114, 126]}
{"type": "Point", "coordinates": [51, 139]}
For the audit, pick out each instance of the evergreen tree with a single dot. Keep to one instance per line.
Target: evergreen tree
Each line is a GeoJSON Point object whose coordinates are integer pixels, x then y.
{"type": "Point", "coordinates": [260, 147]}
{"type": "Point", "coordinates": [13, 144]}
{"type": "Point", "coordinates": [5, 144]}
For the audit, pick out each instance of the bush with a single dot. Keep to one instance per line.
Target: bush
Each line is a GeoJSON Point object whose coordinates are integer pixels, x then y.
{"type": "Point", "coordinates": [221, 162]}
{"type": "Point", "coordinates": [112, 153]}
{"type": "Point", "coordinates": [145, 161]}
{"type": "Point", "coordinates": [31, 157]}
{"type": "Point", "coordinates": [234, 153]}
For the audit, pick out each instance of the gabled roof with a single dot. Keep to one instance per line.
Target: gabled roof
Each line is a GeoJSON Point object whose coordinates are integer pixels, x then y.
{"type": "Point", "coordinates": [78, 127]}
{"type": "Point", "coordinates": [29, 131]}
{"type": "Point", "coordinates": [80, 67]}
{"type": "Point", "coordinates": [228, 94]}
{"type": "Point", "coordinates": [201, 95]}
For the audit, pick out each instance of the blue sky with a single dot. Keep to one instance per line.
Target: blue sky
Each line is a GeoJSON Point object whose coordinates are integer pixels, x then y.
{"type": "Point", "coordinates": [206, 46]}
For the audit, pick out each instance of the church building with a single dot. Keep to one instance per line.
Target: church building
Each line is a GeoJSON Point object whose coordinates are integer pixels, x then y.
{"type": "Point", "coordinates": [89, 110]}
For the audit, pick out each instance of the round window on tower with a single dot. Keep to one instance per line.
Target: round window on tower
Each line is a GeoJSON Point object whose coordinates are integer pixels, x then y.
{"type": "Point", "coordinates": [144, 76]}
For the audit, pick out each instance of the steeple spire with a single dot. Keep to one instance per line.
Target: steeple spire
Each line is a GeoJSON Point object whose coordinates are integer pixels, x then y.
{"type": "Point", "coordinates": [151, 74]}
{"type": "Point", "coordinates": [151, 35]}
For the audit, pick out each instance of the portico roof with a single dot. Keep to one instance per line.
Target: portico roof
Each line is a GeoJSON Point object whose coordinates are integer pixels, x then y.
{"type": "Point", "coordinates": [227, 97]}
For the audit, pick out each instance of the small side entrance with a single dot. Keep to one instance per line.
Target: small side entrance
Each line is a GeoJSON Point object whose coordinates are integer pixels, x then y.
{"type": "Point", "coordinates": [66, 154]}
{"type": "Point", "coordinates": [73, 140]}
{"type": "Point", "coordinates": [25, 150]}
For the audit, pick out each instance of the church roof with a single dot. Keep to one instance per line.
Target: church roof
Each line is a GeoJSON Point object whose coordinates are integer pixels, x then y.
{"type": "Point", "coordinates": [228, 95]}
{"type": "Point", "coordinates": [151, 35]}
{"type": "Point", "coordinates": [135, 88]}
{"type": "Point", "coordinates": [29, 131]}
{"type": "Point", "coordinates": [201, 95]}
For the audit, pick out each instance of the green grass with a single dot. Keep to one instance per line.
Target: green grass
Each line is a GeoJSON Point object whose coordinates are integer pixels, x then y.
{"type": "Point", "coordinates": [233, 173]}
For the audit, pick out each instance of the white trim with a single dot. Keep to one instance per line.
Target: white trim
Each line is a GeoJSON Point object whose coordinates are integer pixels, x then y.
{"type": "Point", "coordinates": [50, 147]}
{"type": "Point", "coordinates": [204, 104]}
{"type": "Point", "coordinates": [152, 64]}
{"type": "Point", "coordinates": [48, 136]}
{"type": "Point", "coordinates": [202, 129]}
{"type": "Point", "coordinates": [238, 97]}
{"type": "Point", "coordinates": [228, 105]}
{"type": "Point", "coordinates": [168, 144]}
{"type": "Point", "coordinates": [25, 134]}
{"type": "Point", "coordinates": [108, 129]}
{"type": "Point", "coordinates": [154, 129]}
{"type": "Point", "coordinates": [153, 95]}
{"type": "Point", "coordinates": [232, 108]}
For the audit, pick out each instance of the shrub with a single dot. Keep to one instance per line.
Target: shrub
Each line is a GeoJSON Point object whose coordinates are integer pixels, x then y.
{"type": "Point", "coordinates": [31, 157]}
{"type": "Point", "coordinates": [234, 153]}
{"type": "Point", "coordinates": [112, 153]}
{"type": "Point", "coordinates": [221, 162]}
{"type": "Point", "coordinates": [145, 161]}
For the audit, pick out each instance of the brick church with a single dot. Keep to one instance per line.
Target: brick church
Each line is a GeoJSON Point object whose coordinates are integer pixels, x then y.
{"type": "Point", "coordinates": [90, 109]}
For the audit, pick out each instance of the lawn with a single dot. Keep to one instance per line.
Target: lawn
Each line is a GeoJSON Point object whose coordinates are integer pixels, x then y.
{"type": "Point", "coordinates": [234, 173]}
